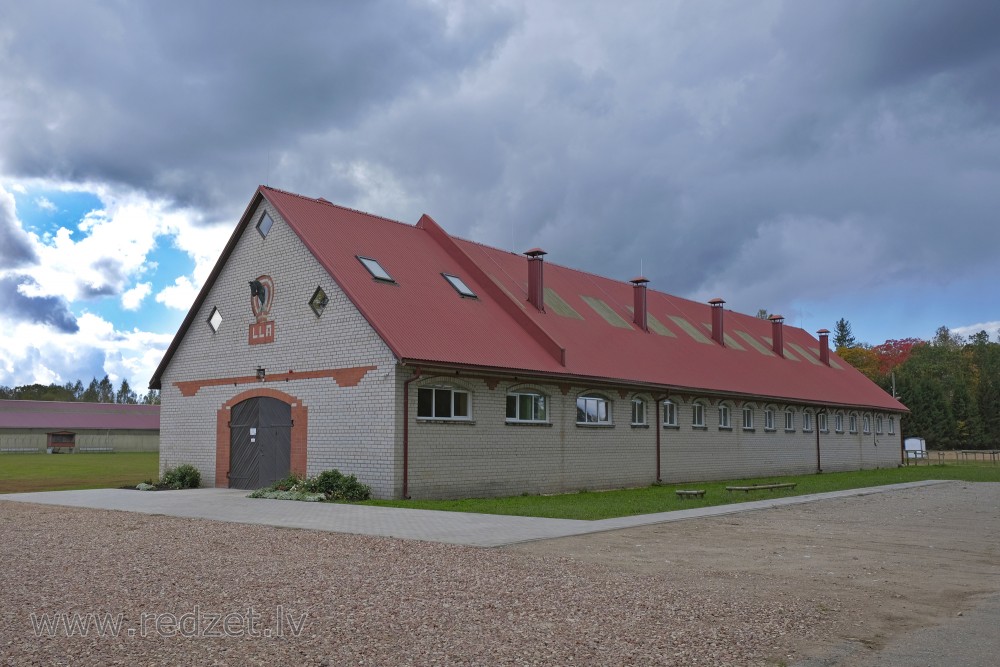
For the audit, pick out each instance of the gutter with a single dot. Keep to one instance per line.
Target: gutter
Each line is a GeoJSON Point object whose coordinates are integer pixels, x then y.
{"type": "Point", "coordinates": [406, 433]}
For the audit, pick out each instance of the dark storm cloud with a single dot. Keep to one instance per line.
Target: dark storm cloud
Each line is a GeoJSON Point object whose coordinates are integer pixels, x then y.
{"type": "Point", "coordinates": [17, 307]}
{"type": "Point", "coordinates": [15, 249]}
{"type": "Point", "coordinates": [185, 99]}
{"type": "Point", "coordinates": [735, 149]}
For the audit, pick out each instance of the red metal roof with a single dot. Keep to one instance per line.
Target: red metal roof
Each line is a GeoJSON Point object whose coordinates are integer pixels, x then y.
{"type": "Point", "coordinates": [589, 334]}
{"type": "Point", "coordinates": [63, 416]}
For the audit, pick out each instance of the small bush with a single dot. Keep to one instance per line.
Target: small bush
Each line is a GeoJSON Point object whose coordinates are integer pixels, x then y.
{"type": "Point", "coordinates": [182, 477]}
{"type": "Point", "coordinates": [288, 495]}
{"type": "Point", "coordinates": [329, 485]}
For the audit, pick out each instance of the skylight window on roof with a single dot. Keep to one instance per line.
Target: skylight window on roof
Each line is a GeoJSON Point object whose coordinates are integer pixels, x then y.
{"type": "Point", "coordinates": [459, 285]}
{"type": "Point", "coordinates": [375, 269]}
{"type": "Point", "coordinates": [558, 305]}
{"type": "Point", "coordinates": [808, 357]}
{"type": "Point", "coordinates": [755, 344]}
{"type": "Point", "coordinates": [606, 311]}
{"type": "Point", "coordinates": [264, 226]}
{"type": "Point", "coordinates": [689, 329]}
{"type": "Point", "coordinates": [215, 319]}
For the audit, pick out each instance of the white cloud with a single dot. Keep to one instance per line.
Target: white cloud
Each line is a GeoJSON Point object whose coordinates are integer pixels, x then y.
{"type": "Point", "coordinates": [180, 295]}
{"type": "Point", "coordinates": [132, 299]}
{"type": "Point", "coordinates": [992, 328]}
{"type": "Point", "coordinates": [37, 353]}
{"type": "Point", "coordinates": [46, 204]}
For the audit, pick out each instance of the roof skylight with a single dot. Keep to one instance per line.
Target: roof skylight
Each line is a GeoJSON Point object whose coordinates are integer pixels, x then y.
{"type": "Point", "coordinates": [375, 269]}
{"type": "Point", "coordinates": [459, 286]}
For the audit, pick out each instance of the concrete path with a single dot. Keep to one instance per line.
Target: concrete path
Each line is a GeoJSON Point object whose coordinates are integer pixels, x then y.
{"type": "Point", "coordinates": [483, 530]}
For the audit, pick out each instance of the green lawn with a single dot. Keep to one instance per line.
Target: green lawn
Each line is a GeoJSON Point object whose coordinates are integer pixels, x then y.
{"type": "Point", "coordinates": [650, 499]}
{"type": "Point", "coordinates": [59, 472]}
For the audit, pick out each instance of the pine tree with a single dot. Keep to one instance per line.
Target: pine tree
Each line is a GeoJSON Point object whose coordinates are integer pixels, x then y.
{"type": "Point", "coordinates": [843, 337]}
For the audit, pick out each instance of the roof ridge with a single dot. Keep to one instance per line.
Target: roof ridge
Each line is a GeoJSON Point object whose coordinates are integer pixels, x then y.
{"type": "Point", "coordinates": [327, 202]}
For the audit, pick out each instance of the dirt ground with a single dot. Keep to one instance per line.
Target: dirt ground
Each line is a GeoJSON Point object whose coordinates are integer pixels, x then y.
{"type": "Point", "coordinates": [822, 583]}
{"type": "Point", "coordinates": [875, 567]}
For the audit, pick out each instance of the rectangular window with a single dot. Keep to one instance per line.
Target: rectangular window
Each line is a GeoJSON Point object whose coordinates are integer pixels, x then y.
{"type": "Point", "coordinates": [264, 225]}
{"type": "Point", "coordinates": [459, 285]}
{"type": "Point", "coordinates": [768, 420]}
{"type": "Point", "coordinates": [878, 424]}
{"type": "Point", "coordinates": [697, 415]}
{"type": "Point", "coordinates": [724, 417]}
{"type": "Point", "coordinates": [789, 420]}
{"type": "Point", "coordinates": [868, 424]}
{"type": "Point", "coordinates": [526, 408]}
{"type": "Point", "coordinates": [854, 423]}
{"type": "Point", "coordinates": [592, 410]}
{"type": "Point", "coordinates": [669, 413]}
{"type": "Point", "coordinates": [748, 418]}
{"type": "Point", "coordinates": [838, 423]}
{"type": "Point", "coordinates": [375, 269]}
{"type": "Point", "coordinates": [807, 421]}
{"type": "Point", "coordinates": [892, 426]}
{"type": "Point", "coordinates": [638, 411]}
{"type": "Point", "coordinates": [822, 422]}
{"type": "Point", "coordinates": [436, 403]}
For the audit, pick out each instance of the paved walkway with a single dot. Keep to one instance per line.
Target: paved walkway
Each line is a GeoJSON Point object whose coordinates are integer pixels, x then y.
{"type": "Point", "coordinates": [483, 530]}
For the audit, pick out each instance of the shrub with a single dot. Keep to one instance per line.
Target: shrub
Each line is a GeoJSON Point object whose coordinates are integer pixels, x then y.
{"type": "Point", "coordinates": [182, 477]}
{"type": "Point", "coordinates": [329, 485]}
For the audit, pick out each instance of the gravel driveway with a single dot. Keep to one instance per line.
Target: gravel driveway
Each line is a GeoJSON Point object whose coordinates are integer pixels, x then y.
{"type": "Point", "coordinates": [192, 591]}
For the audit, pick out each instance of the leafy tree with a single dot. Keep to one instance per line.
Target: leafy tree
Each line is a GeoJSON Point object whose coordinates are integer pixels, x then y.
{"type": "Point", "coordinates": [843, 337]}
{"type": "Point", "coordinates": [762, 314]}
{"type": "Point", "coordinates": [105, 391]}
{"type": "Point", "coordinates": [152, 397]}
{"type": "Point", "coordinates": [92, 393]}
{"type": "Point", "coordinates": [125, 394]}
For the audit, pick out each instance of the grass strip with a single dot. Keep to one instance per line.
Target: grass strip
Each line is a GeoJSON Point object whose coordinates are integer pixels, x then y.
{"type": "Point", "coordinates": [21, 473]}
{"type": "Point", "coordinates": [592, 505]}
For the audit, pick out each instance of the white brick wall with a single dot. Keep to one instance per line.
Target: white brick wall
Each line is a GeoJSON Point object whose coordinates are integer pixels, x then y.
{"type": "Point", "coordinates": [351, 429]}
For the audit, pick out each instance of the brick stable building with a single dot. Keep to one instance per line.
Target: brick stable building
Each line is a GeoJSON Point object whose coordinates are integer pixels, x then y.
{"type": "Point", "coordinates": [432, 366]}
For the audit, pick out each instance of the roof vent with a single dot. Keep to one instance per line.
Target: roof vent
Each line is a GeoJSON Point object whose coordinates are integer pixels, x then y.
{"type": "Point", "coordinates": [639, 302]}
{"type": "Point", "coordinates": [718, 334]}
{"type": "Point", "coordinates": [536, 287]}
{"type": "Point", "coordinates": [778, 335]}
{"type": "Point", "coordinates": [824, 346]}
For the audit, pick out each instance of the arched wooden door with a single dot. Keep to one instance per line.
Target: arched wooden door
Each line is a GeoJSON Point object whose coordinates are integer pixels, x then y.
{"type": "Point", "coordinates": [260, 442]}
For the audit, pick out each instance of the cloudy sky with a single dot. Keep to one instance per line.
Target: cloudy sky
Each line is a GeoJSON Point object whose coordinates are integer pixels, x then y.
{"type": "Point", "coordinates": [817, 159]}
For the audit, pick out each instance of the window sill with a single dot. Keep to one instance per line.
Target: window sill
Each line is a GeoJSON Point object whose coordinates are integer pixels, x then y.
{"type": "Point", "coordinates": [789, 430]}
{"type": "Point", "coordinates": [671, 426]}
{"type": "Point", "coordinates": [841, 432]}
{"type": "Point", "coordinates": [725, 428]}
{"type": "Point", "coordinates": [749, 429]}
{"type": "Point", "coordinates": [699, 427]}
{"type": "Point", "coordinates": [807, 430]}
{"type": "Point", "coordinates": [640, 425]}
{"type": "Point", "coordinates": [432, 420]}
{"type": "Point", "coordinates": [585, 425]}
{"type": "Point", "coordinates": [824, 430]}
{"type": "Point", "coordinates": [770, 430]}
{"type": "Point", "coordinates": [520, 423]}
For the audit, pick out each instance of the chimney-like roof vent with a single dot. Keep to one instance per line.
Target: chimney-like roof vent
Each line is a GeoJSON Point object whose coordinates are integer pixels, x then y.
{"type": "Point", "coordinates": [535, 252]}
{"type": "Point", "coordinates": [778, 335]}
{"type": "Point", "coordinates": [536, 283]}
{"type": "Point", "coordinates": [824, 346]}
{"type": "Point", "coordinates": [718, 332]}
{"type": "Point", "coordinates": [639, 316]}
{"type": "Point", "coordinates": [639, 279]}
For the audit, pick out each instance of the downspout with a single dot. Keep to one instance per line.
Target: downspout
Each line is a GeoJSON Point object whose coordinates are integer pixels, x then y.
{"type": "Point", "coordinates": [406, 433]}
{"type": "Point", "coordinates": [819, 461]}
{"type": "Point", "coordinates": [659, 427]}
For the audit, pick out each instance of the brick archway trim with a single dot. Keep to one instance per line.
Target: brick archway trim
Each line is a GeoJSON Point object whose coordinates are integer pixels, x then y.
{"type": "Point", "coordinates": [300, 426]}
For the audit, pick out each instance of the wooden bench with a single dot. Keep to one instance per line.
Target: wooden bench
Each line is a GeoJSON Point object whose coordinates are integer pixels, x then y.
{"type": "Point", "coordinates": [761, 487]}
{"type": "Point", "coordinates": [97, 449]}
{"type": "Point", "coordinates": [690, 493]}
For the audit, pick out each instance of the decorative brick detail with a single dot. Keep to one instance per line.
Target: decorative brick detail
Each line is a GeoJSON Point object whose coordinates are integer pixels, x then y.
{"type": "Point", "coordinates": [344, 377]}
{"type": "Point", "coordinates": [300, 431]}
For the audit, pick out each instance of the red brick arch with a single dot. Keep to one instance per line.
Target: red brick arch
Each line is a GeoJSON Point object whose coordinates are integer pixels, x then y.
{"type": "Point", "coordinates": [300, 425]}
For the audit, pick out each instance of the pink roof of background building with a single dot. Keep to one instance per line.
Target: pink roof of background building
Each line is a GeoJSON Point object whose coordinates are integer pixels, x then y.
{"type": "Point", "coordinates": [70, 416]}
{"type": "Point", "coordinates": [588, 336]}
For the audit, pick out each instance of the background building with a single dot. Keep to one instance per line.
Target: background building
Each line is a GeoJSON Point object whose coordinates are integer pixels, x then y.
{"type": "Point", "coordinates": [34, 426]}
